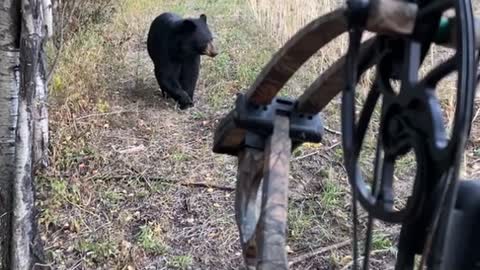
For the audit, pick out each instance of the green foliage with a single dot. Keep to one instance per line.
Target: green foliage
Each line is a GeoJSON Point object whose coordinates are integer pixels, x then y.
{"type": "Point", "coordinates": [99, 250]}
{"type": "Point", "coordinates": [381, 241]}
{"type": "Point", "coordinates": [180, 262]}
{"type": "Point", "coordinates": [151, 241]}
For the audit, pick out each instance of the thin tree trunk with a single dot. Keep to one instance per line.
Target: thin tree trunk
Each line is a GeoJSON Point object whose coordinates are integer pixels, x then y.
{"type": "Point", "coordinates": [25, 251]}
{"type": "Point", "coordinates": [40, 117]}
{"type": "Point", "coordinates": [9, 85]}
{"type": "Point", "coordinates": [40, 113]}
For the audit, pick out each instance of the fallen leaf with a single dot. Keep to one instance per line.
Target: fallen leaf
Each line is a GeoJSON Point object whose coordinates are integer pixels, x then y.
{"type": "Point", "coordinates": [345, 260]}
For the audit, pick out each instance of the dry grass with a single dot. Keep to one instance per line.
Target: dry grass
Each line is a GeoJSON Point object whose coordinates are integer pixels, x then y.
{"type": "Point", "coordinates": [287, 17]}
{"type": "Point", "coordinates": [117, 193]}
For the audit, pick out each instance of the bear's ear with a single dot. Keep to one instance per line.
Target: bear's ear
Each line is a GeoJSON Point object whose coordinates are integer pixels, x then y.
{"type": "Point", "coordinates": [187, 26]}
{"type": "Point", "coordinates": [203, 17]}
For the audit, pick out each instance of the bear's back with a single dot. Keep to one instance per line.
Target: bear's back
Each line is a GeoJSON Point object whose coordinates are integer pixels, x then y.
{"type": "Point", "coordinates": [158, 35]}
{"type": "Point", "coordinates": [164, 23]}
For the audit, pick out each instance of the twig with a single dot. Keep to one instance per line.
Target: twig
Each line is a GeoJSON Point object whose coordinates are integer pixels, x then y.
{"type": "Point", "coordinates": [104, 114]}
{"type": "Point", "coordinates": [362, 257]}
{"type": "Point", "coordinates": [332, 131]}
{"type": "Point", "coordinates": [305, 198]}
{"type": "Point", "coordinates": [61, 41]}
{"type": "Point", "coordinates": [43, 265]}
{"type": "Point", "coordinates": [306, 155]}
{"type": "Point", "coordinates": [77, 264]}
{"type": "Point", "coordinates": [205, 185]}
{"type": "Point", "coordinates": [79, 207]}
{"type": "Point", "coordinates": [334, 161]}
{"type": "Point", "coordinates": [147, 179]}
{"type": "Point", "coordinates": [476, 115]}
{"type": "Point", "coordinates": [318, 251]}
{"type": "Point", "coordinates": [100, 227]}
{"type": "Point", "coordinates": [316, 152]}
{"type": "Point", "coordinates": [333, 146]}
{"type": "Point", "coordinates": [142, 176]}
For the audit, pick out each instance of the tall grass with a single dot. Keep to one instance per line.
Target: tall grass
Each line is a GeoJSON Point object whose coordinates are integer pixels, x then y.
{"type": "Point", "coordinates": [284, 18]}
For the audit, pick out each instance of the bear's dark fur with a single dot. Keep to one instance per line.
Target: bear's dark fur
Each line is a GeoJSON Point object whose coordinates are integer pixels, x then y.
{"type": "Point", "coordinates": [175, 46]}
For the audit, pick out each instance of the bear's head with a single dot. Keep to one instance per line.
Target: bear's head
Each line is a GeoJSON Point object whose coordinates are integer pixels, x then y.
{"type": "Point", "coordinates": [195, 37]}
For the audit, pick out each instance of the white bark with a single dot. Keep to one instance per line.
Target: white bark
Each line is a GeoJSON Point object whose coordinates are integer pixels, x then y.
{"type": "Point", "coordinates": [9, 85]}
{"type": "Point", "coordinates": [40, 122]}
{"type": "Point", "coordinates": [40, 110]}
{"type": "Point", "coordinates": [48, 17]}
{"type": "Point", "coordinates": [23, 199]}
{"type": "Point", "coordinates": [30, 126]}
{"type": "Point", "coordinates": [8, 118]}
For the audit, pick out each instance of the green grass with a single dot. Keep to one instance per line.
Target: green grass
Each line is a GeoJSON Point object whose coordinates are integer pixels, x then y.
{"type": "Point", "coordinates": [113, 196]}
{"type": "Point", "coordinates": [299, 221]}
{"type": "Point", "coordinates": [381, 241]}
{"type": "Point", "coordinates": [179, 155]}
{"type": "Point", "coordinates": [150, 239]}
{"type": "Point", "coordinates": [98, 250]}
{"type": "Point", "coordinates": [331, 194]}
{"type": "Point", "coordinates": [180, 262]}
{"type": "Point", "coordinates": [65, 192]}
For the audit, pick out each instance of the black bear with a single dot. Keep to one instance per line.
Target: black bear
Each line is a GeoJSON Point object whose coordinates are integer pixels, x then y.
{"type": "Point", "coordinates": [175, 46]}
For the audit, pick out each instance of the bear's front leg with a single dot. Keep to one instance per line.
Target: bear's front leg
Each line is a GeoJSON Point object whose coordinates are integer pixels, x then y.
{"type": "Point", "coordinates": [189, 74]}
{"type": "Point", "coordinates": [173, 88]}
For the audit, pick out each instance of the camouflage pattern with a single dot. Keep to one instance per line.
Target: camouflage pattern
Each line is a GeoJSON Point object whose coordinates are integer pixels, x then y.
{"type": "Point", "coordinates": [262, 219]}
{"type": "Point", "coordinates": [272, 226]}
{"type": "Point", "coordinates": [249, 176]}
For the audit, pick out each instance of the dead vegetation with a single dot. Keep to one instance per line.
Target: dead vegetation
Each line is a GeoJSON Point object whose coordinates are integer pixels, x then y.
{"type": "Point", "coordinates": [133, 183]}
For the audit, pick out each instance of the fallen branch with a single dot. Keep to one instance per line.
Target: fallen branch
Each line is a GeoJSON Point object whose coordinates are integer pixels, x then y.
{"type": "Point", "coordinates": [205, 185]}
{"type": "Point", "coordinates": [306, 155]}
{"type": "Point", "coordinates": [318, 251]}
{"type": "Point", "coordinates": [105, 114]}
{"type": "Point", "coordinates": [476, 115]}
{"type": "Point", "coordinates": [363, 257]}
{"type": "Point", "coordinates": [333, 146]}
{"type": "Point", "coordinates": [148, 181]}
{"type": "Point", "coordinates": [321, 250]}
{"type": "Point", "coordinates": [332, 131]}
{"type": "Point", "coordinates": [189, 184]}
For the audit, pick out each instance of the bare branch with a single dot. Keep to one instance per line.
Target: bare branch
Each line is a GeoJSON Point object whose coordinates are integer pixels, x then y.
{"type": "Point", "coordinates": [63, 23]}
{"type": "Point", "coordinates": [318, 251]}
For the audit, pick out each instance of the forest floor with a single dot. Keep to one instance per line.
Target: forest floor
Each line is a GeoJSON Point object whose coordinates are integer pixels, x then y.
{"type": "Point", "coordinates": [133, 182]}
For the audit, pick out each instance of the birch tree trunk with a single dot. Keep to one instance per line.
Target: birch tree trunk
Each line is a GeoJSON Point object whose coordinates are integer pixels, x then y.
{"type": "Point", "coordinates": [9, 85]}
{"type": "Point", "coordinates": [25, 252]}
{"type": "Point", "coordinates": [40, 113]}
{"type": "Point", "coordinates": [40, 117]}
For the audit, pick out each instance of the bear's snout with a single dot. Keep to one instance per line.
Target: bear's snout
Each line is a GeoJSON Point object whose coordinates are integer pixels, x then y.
{"type": "Point", "coordinates": [211, 50]}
